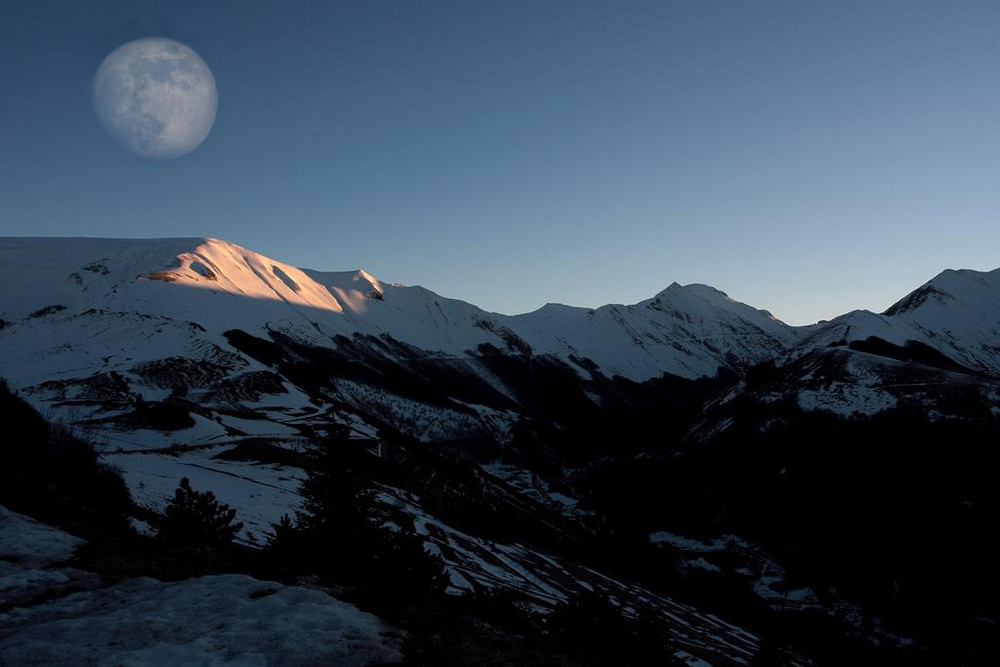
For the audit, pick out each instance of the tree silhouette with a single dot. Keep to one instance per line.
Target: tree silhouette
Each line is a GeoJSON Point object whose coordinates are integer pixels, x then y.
{"type": "Point", "coordinates": [196, 518]}
{"type": "Point", "coordinates": [341, 529]}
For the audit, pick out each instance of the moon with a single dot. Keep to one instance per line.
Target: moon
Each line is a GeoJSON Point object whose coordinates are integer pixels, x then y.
{"type": "Point", "coordinates": [156, 97]}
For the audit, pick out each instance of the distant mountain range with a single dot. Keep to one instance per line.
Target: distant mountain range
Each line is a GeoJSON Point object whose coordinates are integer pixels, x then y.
{"type": "Point", "coordinates": [74, 311]}
{"type": "Point", "coordinates": [685, 331]}
{"type": "Point", "coordinates": [180, 354]}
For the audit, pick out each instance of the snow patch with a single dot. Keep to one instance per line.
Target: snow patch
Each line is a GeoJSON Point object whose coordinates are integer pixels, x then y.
{"type": "Point", "coordinates": [27, 548]}
{"type": "Point", "coordinates": [846, 399]}
{"type": "Point", "coordinates": [215, 620]}
{"type": "Point", "coordinates": [25, 542]}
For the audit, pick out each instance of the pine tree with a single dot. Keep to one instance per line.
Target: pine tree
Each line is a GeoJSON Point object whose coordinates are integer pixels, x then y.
{"type": "Point", "coordinates": [337, 497]}
{"type": "Point", "coordinates": [197, 518]}
{"type": "Point", "coordinates": [340, 529]}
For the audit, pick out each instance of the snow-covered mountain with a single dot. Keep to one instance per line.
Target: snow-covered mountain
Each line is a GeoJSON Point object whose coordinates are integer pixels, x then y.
{"type": "Point", "coordinates": [686, 331]}
{"type": "Point", "coordinates": [936, 351]}
{"type": "Point", "coordinates": [235, 343]}
{"type": "Point", "coordinates": [180, 357]}
{"type": "Point", "coordinates": [198, 358]}
{"type": "Point", "coordinates": [957, 313]}
{"type": "Point", "coordinates": [192, 344]}
{"type": "Point", "coordinates": [93, 326]}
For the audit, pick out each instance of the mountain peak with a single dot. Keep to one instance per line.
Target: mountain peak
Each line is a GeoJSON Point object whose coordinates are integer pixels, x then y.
{"type": "Point", "coordinates": [965, 285]}
{"type": "Point", "coordinates": [699, 290]}
{"type": "Point", "coordinates": [218, 285]}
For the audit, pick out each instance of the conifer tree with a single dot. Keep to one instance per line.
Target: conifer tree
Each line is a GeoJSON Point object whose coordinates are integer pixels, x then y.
{"type": "Point", "coordinates": [341, 531]}
{"type": "Point", "coordinates": [197, 518]}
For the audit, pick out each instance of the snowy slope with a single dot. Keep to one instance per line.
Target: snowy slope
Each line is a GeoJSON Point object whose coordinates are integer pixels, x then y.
{"type": "Point", "coordinates": [92, 330]}
{"type": "Point", "coordinates": [60, 615]}
{"type": "Point", "coordinates": [687, 331]}
{"type": "Point", "coordinates": [124, 341]}
{"type": "Point", "coordinates": [956, 313]}
{"type": "Point", "coordinates": [214, 620]}
{"type": "Point", "coordinates": [113, 322]}
{"type": "Point", "coordinates": [935, 352]}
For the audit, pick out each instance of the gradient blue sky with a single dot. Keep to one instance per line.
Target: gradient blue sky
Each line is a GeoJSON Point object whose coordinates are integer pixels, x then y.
{"type": "Point", "coordinates": [805, 157]}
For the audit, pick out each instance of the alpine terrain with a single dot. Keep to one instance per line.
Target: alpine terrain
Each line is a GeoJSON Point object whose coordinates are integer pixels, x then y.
{"type": "Point", "coordinates": [686, 477]}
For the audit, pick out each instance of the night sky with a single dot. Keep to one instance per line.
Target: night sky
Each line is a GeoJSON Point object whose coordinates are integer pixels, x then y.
{"type": "Point", "coordinates": [805, 157]}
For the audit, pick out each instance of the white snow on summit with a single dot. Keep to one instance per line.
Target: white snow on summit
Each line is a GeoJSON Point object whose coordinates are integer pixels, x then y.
{"type": "Point", "coordinates": [53, 286]}
{"type": "Point", "coordinates": [957, 313]}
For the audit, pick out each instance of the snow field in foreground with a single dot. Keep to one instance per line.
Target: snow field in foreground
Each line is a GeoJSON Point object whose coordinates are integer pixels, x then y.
{"type": "Point", "coordinates": [227, 619]}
